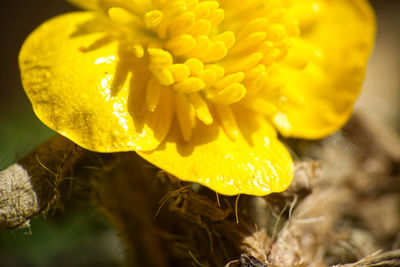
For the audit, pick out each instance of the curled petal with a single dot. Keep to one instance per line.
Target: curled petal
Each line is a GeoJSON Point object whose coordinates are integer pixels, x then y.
{"type": "Point", "coordinates": [90, 95]}
{"type": "Point", "coordinates": [324, 71]}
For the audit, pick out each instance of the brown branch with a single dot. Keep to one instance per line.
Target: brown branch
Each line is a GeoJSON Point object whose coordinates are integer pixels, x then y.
{"type": "Point", "coordinates": [28, 187]}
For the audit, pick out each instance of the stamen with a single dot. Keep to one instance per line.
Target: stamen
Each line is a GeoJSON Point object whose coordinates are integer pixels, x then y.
{"type": "Point", "coordinates": [231, 94]}
{"type": "Point", "coordinates": [159, 57]}
{"type": "Point", "coordinates": [159, 61]}
{"type": "Point", "coordinates": [163, 75]}
{"type": "Point", "coordinates": [153, 91]}
{"type": "Point", "coordinates": [202, 45]}
{"type": "Point", "coordinates": [216, 16]}
{"type": "Point", "coordinates": [255, 80]}
{"type": "Point", "coordinates": [181, 44]}
{"type": "Point", "coordinates": [203, 9]}
{"type": "Point", "coordinates": [228, 121]}
{"type": "Point", "coordinates": [248, 42]}
{"type": "Point", "coordinates": [138, 50]}
{"type": "Point", "coordinates": [229, 79]}
{"type": "Point", "coordinates": [242, 64]}
{"type": "Point", "coordinates": [200, 27]}
{"type": "Point", "coordinates": [218, 70]}
{"type": "Point", "coordinates": [170, 12]}
{"type": "Point", "coordinates": [190, 85]}
{"type": "Point", "coordinates": [228, 38]}
{"type": "Point", "coordinates": [265, 47]}
{"type": "Point", "coordinates": [201, 108]}
{"type": "Point", "coordinates": [255, 25]}
{"type": "Point", "coordinates": [208, 57]}
{"type": "Point", "coordinates": [182, 24]}
{"type": "Point", "coordinates": [153, 18]}
{"type": "Point", "coordinates": [185, 115]}
{"type": "Point", "coordinates": [215, 52]}
{"type": "Point", "coordinates": [196, 66]}
{"type": "Point", "coordinates": [209, 77]}
{"type": "Point", "coordinates": [180, 72]}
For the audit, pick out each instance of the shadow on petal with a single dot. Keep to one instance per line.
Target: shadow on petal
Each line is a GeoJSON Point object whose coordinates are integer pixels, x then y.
{"type": "Point", "coordinates": [96, 24]}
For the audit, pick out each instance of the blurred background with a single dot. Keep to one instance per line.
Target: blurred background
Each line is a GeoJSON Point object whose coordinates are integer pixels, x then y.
{"type": "Point", "coordinates": [380, 96]}
{"type": "Point", "coordinates": [82, 236]}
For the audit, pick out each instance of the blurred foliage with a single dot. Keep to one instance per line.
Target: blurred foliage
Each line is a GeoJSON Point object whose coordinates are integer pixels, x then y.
{"type": "Point", "coordinates": [20, 133]}
{"type": "Point", "coordinates": [79, 239]}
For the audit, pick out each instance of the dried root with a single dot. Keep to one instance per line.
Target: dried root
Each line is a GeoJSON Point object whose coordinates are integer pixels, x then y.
{"type": "Point", "coordinates": [28, 187]}
{"type": "Point", "coordinates": [343, 205]}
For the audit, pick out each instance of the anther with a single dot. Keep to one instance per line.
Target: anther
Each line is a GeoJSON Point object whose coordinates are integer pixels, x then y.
{"type": "Point", "coordinates": [231, 94]}
{"type": "Point", "coordinates": [229, 79]}
{"type": "Point", "coordinates": [228, 38]}
{"type": "Point", "coordinates": [153, 18]}
{"type": "Point", "coordinates": [201, 108]}
{"type": "Point", "coordinates": [181, 45]}
{"type": "Point", "coordinates": [180, 72]}
{"type": "Point", "coordinates": [215, 52]}
{"type": "Point", "coordinates": [181, 24]}
{"type": "Point", "coordinates": [196, 66]}
{"type": "Point", "coordinates": [190, 85]}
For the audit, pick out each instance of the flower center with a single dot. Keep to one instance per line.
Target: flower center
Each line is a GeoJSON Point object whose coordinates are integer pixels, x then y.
{"type": "Point", "coordinates": [210, 53]}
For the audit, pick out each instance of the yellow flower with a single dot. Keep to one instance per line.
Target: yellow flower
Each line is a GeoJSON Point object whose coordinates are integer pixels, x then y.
{"type": "Point", "coordinates": [198, 88]}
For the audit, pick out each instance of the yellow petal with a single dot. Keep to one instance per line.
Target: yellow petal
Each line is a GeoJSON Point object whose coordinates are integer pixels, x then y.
{"type": "Point", "coordinates": [319, 95]}
{"type": "Point", "coordinates": [91, 83]}
{"type": "Point", "coordinates": [256, 163]}
{"type": "Point", "coordinates": [93, 98]}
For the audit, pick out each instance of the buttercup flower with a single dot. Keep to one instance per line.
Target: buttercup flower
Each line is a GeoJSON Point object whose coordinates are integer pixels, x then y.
{"type": "Point", "coordinates": [201, 88]}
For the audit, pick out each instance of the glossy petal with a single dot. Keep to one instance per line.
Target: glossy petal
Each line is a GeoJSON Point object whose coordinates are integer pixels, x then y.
{"type": "Point", "coordinates": [80, 87]}
{"type": "Point", "coordinates": [337, 37]}
{"type": "Point", "coordinates": [200, 99]}
{"type": "Point", "coordinates": [257, 163]}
